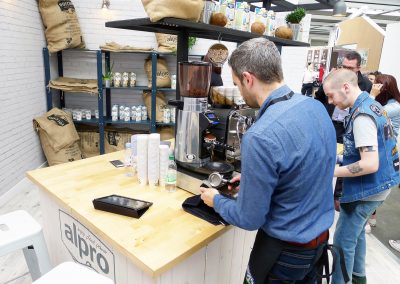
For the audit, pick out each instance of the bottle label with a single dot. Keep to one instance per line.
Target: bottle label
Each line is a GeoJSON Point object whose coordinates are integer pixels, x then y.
{"type": "Point", "coordinates": [171, 178]}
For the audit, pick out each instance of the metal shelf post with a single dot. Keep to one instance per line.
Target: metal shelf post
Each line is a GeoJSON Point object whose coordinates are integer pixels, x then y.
{"type": "Point", "coordinates": [49, 95]}
{"type": "Point", "coordinates": [99, 57]}
{"type": "Point", "coordinates": [153, 126]}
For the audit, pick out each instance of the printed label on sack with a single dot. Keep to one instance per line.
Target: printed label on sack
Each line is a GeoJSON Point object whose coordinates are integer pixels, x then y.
{"type": "Point", "coordinates": [113, 138]}
{"type": "Point", "coordinates": [60, 120]}
{"type": "Point", "coordinates": [84, 247]}
{"type": "Point", "coordinates": [66, 6]}
{"type": "Point", "coordinates": [162, 74]}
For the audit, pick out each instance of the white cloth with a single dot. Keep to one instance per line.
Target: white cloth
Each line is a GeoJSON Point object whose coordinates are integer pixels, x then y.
{"type": "Point", "coordinates": [309, 76]}
{"type": "Point", "coordinates": [339, 114]}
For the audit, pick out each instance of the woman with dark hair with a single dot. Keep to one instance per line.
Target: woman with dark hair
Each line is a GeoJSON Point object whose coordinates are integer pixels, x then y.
{"type": "Point", "coordinates": [386, 92]}
{"type": "Point", "coordinates": [372, 75]}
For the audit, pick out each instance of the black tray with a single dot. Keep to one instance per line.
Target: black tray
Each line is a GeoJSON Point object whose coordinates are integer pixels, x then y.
{"type": "Point", "coordinates": [122, 205]}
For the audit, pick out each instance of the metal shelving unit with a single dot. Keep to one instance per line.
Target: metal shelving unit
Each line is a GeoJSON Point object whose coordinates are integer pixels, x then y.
{"type": "Point", "coordinates": [49, 96]}
{"type": "Point", "coordinates": [105, 119]}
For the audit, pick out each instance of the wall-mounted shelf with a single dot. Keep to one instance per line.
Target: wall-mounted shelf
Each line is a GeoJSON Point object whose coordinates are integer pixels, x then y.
{"type": "Point", "coordinates": [183, 29]}
{"type": "Point", "coordinates": [201, 30]}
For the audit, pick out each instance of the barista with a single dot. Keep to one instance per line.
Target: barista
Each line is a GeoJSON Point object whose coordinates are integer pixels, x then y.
{"type": "Point", "coordinates": [286, 181]}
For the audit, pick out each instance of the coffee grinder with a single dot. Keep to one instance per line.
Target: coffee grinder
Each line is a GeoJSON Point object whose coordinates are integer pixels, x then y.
{"type": "Point", "coordinates": [195, 142]}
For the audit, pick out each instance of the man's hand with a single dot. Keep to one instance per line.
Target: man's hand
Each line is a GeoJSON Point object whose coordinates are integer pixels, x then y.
{"type": "Point", "coordinates": [235, 179]}
{"type": "Point", "coordinates": [207, 194]}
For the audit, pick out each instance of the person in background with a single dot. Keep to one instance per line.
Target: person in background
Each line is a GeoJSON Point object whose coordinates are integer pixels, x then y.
{"type": "Point", "coordinates": [372, 75]}
{"type": "Point", "coordinates": [286, 177]}
{"type": "Point", "coordinates": [370, 167]}
{"type": "Point", "coordinates": [386, 92]}
{"type": "Point", "coordinates": [321, 72]}
{"type": "Point", "coordinates": [308, 79]}
{"type": "Point", "coordinates": [351, 61]}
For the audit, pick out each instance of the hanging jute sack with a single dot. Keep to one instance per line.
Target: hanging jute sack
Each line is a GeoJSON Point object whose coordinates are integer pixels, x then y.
{"type": "Point", "coordinates": [58, 137]}
{"type": "Point", "coordinates": [181, 9]}
{"type": "Point", "coordinates": [61, 24]}
{"type": "Point", "coordinates": [166, 42]}
{"type": "Point", "coordinates": [161, 103]}
{"type": "Point", "coordinates": [163, 77]}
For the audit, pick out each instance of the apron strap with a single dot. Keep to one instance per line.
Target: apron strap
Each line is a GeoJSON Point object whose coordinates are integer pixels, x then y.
{"type": "Point", "coordinates": [323, 264]}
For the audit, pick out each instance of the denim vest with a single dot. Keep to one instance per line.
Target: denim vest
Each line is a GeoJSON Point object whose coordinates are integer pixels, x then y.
{"type": "Point", "coordinates": [358, 188]}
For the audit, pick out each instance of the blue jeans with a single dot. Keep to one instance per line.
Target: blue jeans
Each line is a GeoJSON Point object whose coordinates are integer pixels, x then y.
{"type": "Point", "coordinates": [350, 236]}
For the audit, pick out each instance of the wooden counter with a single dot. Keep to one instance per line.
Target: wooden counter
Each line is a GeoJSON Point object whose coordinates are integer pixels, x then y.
{"type": "Point", "coordinates": [161, 238]}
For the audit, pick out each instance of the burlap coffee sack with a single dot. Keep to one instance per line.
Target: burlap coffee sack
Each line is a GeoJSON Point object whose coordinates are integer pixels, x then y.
{"type": "Point", "coordinates": [163, 79]}
{"type": "Point", "coordinates": [166, 133]}
{"type": "Point", "coordinates": [58, 128]}
{"type": "Point", "coordinates": [161, 103]}
{"type": "Point", "coordinates": [116, 138]}
{"type": "Point", "coordinates": [74, 85]}
{"type": "Point", "coordinates": [61, 24]}
{"type": "Point", "coordinates": [68, 154]}
{"type": "Point", "coordinates": [115, 47]}
{"type": "Point", "coordinates": [166, 42]}
{"type": "Point", "coordinates": [181, 9]}
{"type": "Point", "coordinates": [89, 143]}
{"type": "Point", "coordinates": [163, 76]}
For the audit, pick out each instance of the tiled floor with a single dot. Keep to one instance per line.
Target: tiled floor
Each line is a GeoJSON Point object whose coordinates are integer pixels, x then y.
{"type": "Point", "coordinates": [383, 267]}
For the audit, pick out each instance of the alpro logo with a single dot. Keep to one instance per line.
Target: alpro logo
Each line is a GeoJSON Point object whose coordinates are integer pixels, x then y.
{"type": "Point", "coordinates": [84, 247]}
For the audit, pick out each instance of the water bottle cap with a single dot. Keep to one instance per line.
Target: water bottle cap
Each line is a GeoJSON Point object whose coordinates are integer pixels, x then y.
{"type": "Point", "coordinates": [127, 145]}
{"type": "Point", "coordinates": [171, 157]}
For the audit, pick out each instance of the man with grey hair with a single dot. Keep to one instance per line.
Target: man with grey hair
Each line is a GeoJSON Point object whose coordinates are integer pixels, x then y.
{"type": "Point", "coordinates": [288, 159]}
{"type": "Point", "coordinates": [370, 167]}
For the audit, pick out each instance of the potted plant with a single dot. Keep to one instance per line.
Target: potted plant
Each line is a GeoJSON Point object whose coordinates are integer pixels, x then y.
{"type": "Point", "coordinates": [293, 19]}
{"type": "Point", "coordinates": [107, 77]}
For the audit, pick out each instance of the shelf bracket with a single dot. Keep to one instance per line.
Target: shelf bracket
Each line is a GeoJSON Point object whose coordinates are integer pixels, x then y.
{"type": "Point", "coordinates": [181, 55]}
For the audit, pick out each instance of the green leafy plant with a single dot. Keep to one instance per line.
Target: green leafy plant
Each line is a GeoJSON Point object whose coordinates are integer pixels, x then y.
{"type": "Point", "coordinates": [108, 74]}
{"type": "Point", "coordinates": [296, 16]}
{"type": "Point", "coordinates": [192, 41]}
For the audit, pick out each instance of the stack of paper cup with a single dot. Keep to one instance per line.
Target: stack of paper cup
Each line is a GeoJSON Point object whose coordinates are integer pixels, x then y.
{"type": "Point", "coordinates": [142, 147]}
{"type": "Point", "coordinates": [153, 162]}
{"type": "Point", "coordinates": [134, 152]}
{"type": "Point", "coordinates": [164, 159]}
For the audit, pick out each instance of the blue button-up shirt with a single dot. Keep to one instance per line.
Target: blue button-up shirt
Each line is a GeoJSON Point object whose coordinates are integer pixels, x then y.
{"type": "Point", "coordinates": [288, 159]}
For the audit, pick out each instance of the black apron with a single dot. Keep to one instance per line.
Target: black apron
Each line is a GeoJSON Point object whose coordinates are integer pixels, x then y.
{"type": "Point", "coordinates": [266, 251]}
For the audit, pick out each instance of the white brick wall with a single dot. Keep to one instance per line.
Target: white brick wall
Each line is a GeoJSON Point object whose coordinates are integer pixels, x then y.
{"type": "Point", "coordinates": [21, 89]}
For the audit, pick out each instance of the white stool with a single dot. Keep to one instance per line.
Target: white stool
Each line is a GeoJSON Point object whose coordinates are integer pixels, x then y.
{"type": "Point", "coordinates": [18, 230]}
{"type": "Point", "coordinates": [72, 273]}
